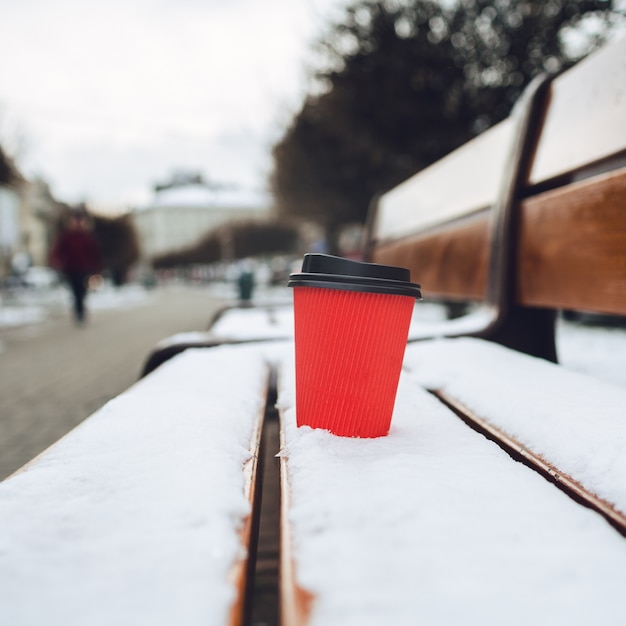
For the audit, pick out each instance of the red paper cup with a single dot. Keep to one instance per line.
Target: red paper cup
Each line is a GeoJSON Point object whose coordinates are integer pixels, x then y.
{"type": "Point", "coordinates": [351, 326]}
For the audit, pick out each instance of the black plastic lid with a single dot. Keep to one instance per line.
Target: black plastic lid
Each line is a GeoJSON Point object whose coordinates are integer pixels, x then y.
{"type": "Point", "coordinates": [333, 272]}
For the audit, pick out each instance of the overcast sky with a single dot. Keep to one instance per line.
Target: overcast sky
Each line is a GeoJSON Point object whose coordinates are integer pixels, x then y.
{"type": "Point", "coordinates": [103, 98]}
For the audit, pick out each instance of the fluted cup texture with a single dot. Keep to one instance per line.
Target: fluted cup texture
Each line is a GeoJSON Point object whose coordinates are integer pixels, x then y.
{"type": "Point", "coordinates": [349, 351]}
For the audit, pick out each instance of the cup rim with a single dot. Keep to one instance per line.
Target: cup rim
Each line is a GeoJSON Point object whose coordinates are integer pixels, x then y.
{"type": "Point", "coordinates": [329, 272]}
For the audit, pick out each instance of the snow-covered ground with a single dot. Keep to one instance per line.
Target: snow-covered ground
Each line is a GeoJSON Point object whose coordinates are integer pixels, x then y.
{"type": "Point", "coordinates": [19, 307]}
{"type": "Point", "coordinates": [35, 305]}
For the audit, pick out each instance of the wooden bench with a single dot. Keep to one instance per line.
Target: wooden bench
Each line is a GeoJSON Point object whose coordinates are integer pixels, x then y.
{"type": "Point", "coordinates": [526, 219]}
{"type": "Point", "coordinates": [552, 238]}
{"type": "Point", "coordinates": [147, 512]}
{"type": "Point", "coordinates": [437, 524]}
{"type": "Point", "coordinates": [232, 324]}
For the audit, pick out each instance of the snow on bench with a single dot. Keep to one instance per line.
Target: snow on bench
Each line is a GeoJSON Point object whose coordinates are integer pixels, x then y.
{"type": "Point", "coordinates": [434, 524]}
{"type": "Point", "coordinates": [141, 515]}
{"type": "Point", "coordinates": [573, 422]}
{"type": "Point", "coordinates": [232, 325]}
{"type": "Point", "coordinates": [268, 322]}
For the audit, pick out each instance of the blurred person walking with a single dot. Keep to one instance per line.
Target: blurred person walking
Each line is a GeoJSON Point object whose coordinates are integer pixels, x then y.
{"type": "Point", "coordinates": [76, 253]}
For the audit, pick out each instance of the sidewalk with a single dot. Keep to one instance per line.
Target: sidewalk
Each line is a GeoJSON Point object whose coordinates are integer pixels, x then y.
{"type": "Point", "coordinates": [53, 375]}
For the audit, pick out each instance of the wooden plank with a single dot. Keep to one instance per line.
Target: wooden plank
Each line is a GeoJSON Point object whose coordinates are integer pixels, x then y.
{"type": "Point", "coordinates": [465, 181]}
{"type": "Point", "coordinates": [570, 255]}
{"type": "Point", "coordinates": [449, 262]}
{"type": "Point", "coordinates": [572, 252]}
{"type": "Point", "coordinates": [586, 117]}
{"type": "Point", "coordinates": [295, 602]}
{"type": "Point", "coordinates": [398, 557]}
{"type": "Point", "coordinates": [537, 462]}
{"type": "Point", "coordinates": [241, 572]}
{"type": "Point", "coordinates": [145, 495]}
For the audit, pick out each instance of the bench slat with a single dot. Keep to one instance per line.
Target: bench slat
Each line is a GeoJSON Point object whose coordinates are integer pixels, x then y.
{"type": "Point", "coordinates": [567, 238]}
{"type": "Point", "coordinates": [586, 120]}
{"type": "Point", "coordinates": [450, 261]}
{"type": "Point", "coordinates": [571, 252]}
{"type": "Point", "coordinates": [568, 424]}
{"type": "Point", "coordinates": [514, 447]}
{"type": "Point", "coordinates": [142, 514]}
{"type": "Point", "coordinates": [465, 181]}
{"type": "Point", "coordinates": [241, 572]}
{"type": "Point", "coordinates": [295, 601]}
{"type": "Point", "coordinates": [434, 524]}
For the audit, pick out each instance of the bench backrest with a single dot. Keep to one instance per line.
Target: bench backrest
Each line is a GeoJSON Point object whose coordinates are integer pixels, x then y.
{"type": "Point", "coordinates": [568, 203]}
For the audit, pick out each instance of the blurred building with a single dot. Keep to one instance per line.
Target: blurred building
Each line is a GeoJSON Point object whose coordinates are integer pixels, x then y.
{"type": "Point", "coordinates": [39, 212]}
{"type": "Point", "coordinates": [183, 212]}
{"type": "Point", "coordinates": [9, 226]}
{"type": "Point", "coordinates": [27, 216]}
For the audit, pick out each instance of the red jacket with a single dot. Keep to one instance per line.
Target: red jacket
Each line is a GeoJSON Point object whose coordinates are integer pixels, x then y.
{"type": "Point", "coordinates": [76, 251]}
